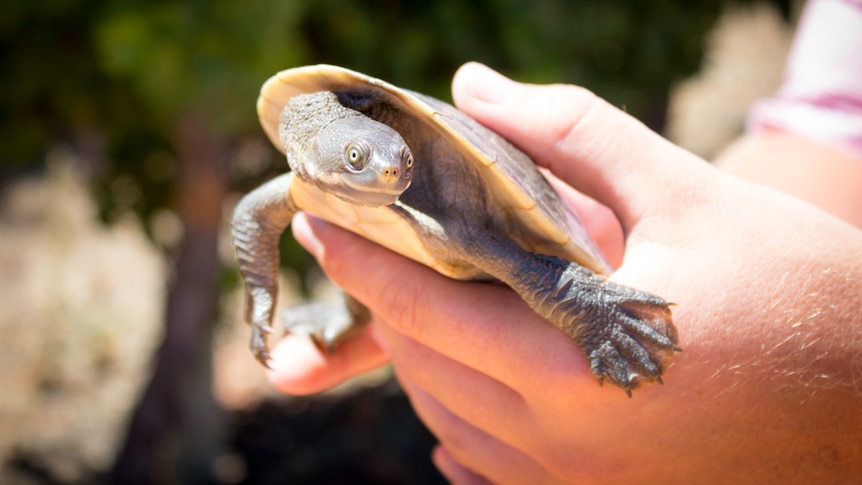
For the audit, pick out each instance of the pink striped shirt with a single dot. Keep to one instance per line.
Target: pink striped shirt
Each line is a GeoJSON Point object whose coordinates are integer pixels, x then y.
{"type": "Point", "coordinates": [821, 95]}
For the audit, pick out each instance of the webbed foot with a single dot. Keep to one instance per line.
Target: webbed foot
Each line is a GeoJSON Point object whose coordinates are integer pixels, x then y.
{"type": "Point", "coordinates": [627, 337]}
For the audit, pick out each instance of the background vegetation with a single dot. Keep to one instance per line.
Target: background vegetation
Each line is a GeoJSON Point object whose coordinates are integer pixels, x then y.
{"type": "Point", "coordinates": [156, 99]}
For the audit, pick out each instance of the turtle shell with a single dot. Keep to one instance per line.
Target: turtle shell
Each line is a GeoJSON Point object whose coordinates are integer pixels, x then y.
{"type": "Point", "coordinates": [536, 218]}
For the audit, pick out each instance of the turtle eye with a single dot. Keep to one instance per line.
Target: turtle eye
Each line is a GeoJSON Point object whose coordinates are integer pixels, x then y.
{"type": "Point", "coordinates": [407, 160]}
{"type": "Point", "coordinates": [356, 155]}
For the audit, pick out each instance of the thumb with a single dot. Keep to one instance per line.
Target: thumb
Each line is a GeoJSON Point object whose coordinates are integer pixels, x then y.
{"type": "Point", "coordinates": [583, 140]}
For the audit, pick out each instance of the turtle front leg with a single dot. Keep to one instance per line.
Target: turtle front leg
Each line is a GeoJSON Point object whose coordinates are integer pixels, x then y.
{"type": "Point", "coordinates": [258, 222]}
{"type": "Point", "coordinates": [626, 334]}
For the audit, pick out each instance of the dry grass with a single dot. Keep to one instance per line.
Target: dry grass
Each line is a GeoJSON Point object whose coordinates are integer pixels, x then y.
{"type": "Point", "coordinates": [80, 313]}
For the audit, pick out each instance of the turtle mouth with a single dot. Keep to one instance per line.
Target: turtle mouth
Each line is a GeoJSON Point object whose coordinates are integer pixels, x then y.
{"type": "Point", "coordinates": [376, 190]}
{"type": "Point", "coordinates": [361, 190]}
{"type": "Point", "coordinates": [372, 194]}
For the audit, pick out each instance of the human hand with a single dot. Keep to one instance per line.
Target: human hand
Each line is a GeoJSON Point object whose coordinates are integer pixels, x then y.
{"type": "Point", "coordinates": [768, 297]}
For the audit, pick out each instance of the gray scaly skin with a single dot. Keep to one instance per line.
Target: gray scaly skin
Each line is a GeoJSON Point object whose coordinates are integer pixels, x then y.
{"type": "Point", "coordinates": [626, 334]}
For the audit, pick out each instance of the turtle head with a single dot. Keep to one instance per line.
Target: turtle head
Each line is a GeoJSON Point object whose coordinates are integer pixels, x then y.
{"type": "Point", "coordinates": [363, 161]}
{"type": "Point", "coordinates": [349, 155]}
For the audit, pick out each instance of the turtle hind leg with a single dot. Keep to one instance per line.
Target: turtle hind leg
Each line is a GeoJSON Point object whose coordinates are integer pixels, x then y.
{"type": "Point", "coordinates": [327, 324]}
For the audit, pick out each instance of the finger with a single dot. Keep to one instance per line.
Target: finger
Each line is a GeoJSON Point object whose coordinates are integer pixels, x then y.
{"type": "Point", "coordinates": [492, 408]}
{"type": "Point", "coordinates": [585, 141]}
{"type": "Point", "coordinates": [300, 367]}
{"type": "Point", "coordinates": [471, 395]}
{"type": "Point", "coordinates": [477, 315]}
{"type": "Point", "coordinates": [455, 472]}
{"type": "Point", "coordinates": [472, 448]}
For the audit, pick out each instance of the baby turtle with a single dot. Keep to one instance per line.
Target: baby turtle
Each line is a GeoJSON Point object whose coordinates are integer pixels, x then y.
{"type": "Point", "coordinates": [417, 176]}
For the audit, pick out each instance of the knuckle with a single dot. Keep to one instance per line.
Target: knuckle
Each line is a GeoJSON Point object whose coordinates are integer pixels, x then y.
{"type": "Point", "coordinates": [567, 118]}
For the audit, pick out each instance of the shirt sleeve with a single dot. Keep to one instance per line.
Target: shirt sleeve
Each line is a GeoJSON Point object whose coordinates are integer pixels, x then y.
{"type": "Point", "coordinates": [821, 95]}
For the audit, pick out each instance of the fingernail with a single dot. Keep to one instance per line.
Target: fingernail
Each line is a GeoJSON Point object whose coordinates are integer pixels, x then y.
{"type": "Point", "coordinates": [486, 84]}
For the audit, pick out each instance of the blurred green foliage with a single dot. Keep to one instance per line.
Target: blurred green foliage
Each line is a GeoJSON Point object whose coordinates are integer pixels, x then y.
{"type": "Point", "coordinates": [112, 77]}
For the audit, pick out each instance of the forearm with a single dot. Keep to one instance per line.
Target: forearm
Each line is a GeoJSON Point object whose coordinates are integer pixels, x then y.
{"type": "Point", "coordinates": [826, 177]}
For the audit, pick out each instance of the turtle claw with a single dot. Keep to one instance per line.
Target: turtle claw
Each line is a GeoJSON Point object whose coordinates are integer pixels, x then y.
{"type": "Point", "coordinates": [258, 345]}
{"type": "Point", "coordinates": [264, 358]}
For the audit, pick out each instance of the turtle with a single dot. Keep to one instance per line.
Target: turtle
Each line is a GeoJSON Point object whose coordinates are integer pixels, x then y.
{"type": "Point", "coordinates": [421, 178]}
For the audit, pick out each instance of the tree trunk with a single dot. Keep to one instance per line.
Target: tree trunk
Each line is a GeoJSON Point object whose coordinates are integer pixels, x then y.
{"type": "Point", "coordinates": [164, 443]}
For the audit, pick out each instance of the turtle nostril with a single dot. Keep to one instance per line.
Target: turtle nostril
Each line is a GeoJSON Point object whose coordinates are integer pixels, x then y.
{"type": "Point", "coordinates": [390, 175]}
